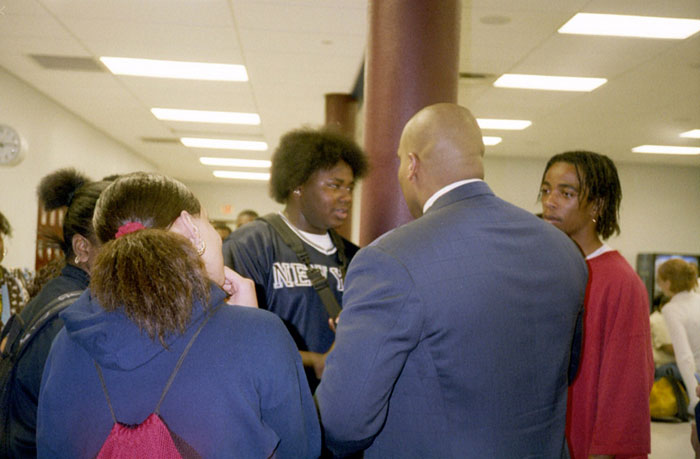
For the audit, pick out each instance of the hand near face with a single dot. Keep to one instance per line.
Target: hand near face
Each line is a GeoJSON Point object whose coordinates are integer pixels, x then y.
{"type": "Point", "coordinates": [241, 290]}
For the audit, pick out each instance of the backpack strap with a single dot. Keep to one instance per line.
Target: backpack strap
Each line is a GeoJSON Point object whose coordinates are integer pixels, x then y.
{"type": "Point", "coordinates": [319, 282]}
{"type": "Point", "coordinates": [172, 375]}
{"type": "Point", "coordinates": [17, 334]}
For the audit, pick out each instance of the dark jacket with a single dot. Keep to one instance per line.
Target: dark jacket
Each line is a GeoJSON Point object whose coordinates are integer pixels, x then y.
{"type": "Point", "coordinates": [25, 385]}
{"type": "Point", "coordinates": [455, 336]}
{"type": "Point", "coordinates": [240, 392]}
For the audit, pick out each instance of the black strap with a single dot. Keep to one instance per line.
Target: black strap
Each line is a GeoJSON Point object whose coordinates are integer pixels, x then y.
{"type": "Point", "coordinates": [172, 375]}
{"type": "Point", "coordinates": [319, 282]}
{"type": "Point", "coordinates": [17, 334]}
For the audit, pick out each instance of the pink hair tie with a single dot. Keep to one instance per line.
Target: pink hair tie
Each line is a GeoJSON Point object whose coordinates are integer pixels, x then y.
{"type": "Point", "coordinates": [127, 228]}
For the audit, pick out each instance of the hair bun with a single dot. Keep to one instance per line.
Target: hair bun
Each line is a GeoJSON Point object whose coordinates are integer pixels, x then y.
{"type": "Point", "coordinates": [58, 188]}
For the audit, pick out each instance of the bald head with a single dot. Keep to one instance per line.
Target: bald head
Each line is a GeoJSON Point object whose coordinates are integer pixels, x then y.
{"type": "Point", "coordinates": [447, 140]}
{"type": "Point", "coordinates": [441, 144]}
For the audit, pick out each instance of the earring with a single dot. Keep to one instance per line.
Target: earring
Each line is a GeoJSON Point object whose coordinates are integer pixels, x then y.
{"type": "Point", "coordinates": [202, 247]}
{"type": "Point", "coordinates": [77, 260]}
{"type": "Point", "coordinates": [594, 221]}
{"type": "Point", "coordinates": [297, 192]}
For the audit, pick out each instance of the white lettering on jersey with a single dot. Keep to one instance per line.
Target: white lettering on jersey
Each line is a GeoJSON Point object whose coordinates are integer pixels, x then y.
{"type": "Point", "coordinates": [288, 275]}
{"type": "Point", "coordinates": [338, 277]}
{"type": "Point", "coordinates": [282, 275]}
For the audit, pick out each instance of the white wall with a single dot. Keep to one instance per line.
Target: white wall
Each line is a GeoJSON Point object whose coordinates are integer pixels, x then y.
{"type": "Point", "coordinates": [56, 138]}
{"type": "Point", "coordinates": [660, 209]}
{"type": "Point", "coordinates": [225, 200]}
{"type": "Point", "coordinates": [660, 205]}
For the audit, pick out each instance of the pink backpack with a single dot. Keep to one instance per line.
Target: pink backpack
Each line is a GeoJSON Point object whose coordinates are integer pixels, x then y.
{"type": "Point", "coordinates": [151, 438]}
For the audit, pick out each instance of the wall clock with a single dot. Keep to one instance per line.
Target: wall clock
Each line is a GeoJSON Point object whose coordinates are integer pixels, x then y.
{"type": "Point", "coordinates": [12, 146]}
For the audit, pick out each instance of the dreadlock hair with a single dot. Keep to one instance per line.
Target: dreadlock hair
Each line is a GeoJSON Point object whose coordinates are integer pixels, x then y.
{"type": "Point", "coordinates": [683, 275]}
{"type": "Point", "coordinates": [599, 183]}
{"type": "Point", "coordinates": [154, 274]}
{"type": "Point", "coordinates": [68, 187]}
{"type": "Point", "coordinates": [302, 152]}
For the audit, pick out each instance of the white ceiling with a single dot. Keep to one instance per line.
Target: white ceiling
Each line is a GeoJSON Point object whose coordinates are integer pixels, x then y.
{"type": "Point", "coordinates": [296, 51]}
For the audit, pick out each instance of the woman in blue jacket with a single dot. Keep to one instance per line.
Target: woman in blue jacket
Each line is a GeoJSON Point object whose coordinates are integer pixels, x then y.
{"type": "Point", "coordinates": [241, 389]}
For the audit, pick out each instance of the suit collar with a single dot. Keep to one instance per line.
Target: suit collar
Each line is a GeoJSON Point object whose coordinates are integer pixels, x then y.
{"type": "Point", "coordinates": [460, 193]}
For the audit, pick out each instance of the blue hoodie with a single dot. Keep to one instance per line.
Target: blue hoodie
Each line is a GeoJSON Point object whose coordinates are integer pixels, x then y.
{"type": "Point", "coordinates": [241, 391]}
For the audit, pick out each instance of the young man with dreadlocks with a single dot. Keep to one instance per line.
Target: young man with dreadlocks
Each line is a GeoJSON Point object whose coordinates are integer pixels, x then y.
{"type": "Point", "coordinates": [608, 406]}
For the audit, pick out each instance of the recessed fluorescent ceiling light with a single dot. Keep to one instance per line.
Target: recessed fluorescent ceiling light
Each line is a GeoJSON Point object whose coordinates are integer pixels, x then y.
{"type": "Point", "coordinates": [264, 176]}
{"type": "Point", "coordinates": [630, 26]}
{"type": "Point", "coordinates": [548, 83]}
{"type": "Point", "coordinates": [514, 125]}
{"type": "Point", "coordinates": [224, 144]}
{"type": "Point", "coordinates": [488, 140]}
{"type": "Point", "coordinates": [175, 69]}
{"type": "Point", "coordinates": [235, 162]}
{"type": "Point", "coordinates": [202, 116]}
{"type": "Point", "coordinates": [693, 134]}
{"type": "Point", "coordinates": [667, 150]}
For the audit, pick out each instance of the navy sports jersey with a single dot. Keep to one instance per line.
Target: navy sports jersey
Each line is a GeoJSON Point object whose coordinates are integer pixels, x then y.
{"type": "Point", "coordinates": [255, 250]}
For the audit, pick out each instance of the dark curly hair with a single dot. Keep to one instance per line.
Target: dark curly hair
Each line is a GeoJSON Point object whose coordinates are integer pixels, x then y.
{"type": "Point", "coordinates": [302, 152]}
{"type": "Point", "coordinates": [154, 274]}
{"type": "Point", "coordinates": [68, 187]}
{"type": "Point", "coordinates": [599, 183]}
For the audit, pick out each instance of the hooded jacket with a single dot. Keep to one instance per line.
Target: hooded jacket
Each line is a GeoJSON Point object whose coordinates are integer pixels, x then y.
{"type": "Point", "coordinates": [25, 385]}
{"type": "Point", "coordinates": [240, 392]}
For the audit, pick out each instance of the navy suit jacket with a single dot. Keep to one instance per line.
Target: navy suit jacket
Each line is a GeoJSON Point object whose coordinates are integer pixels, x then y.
{"type": "Point", "coordinates": [456, 335]}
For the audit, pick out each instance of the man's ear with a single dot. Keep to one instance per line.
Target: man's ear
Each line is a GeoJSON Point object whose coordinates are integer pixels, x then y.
{"type": "Point", "coordinates": [185, 226]}
{"type": "Point", "coordinates": [81, 248]}
{"type": "Point", "coordinates": [413, 165]}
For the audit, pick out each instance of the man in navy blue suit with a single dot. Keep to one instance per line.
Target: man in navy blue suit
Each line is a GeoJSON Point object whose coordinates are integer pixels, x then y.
{"type": "Point", "coordinates": [457, 329]}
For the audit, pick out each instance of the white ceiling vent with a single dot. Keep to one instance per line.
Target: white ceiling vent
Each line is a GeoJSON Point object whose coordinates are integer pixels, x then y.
{"type": "Point", "coordinates": [162, 140]}
{"type": "Point", "coordinates": [73, 63]}
{"type": "Point", "coordinates": [471, 78]}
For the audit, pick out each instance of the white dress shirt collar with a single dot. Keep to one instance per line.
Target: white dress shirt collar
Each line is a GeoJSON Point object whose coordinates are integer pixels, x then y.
{"type": "Point", "coordinates": [445, 190]}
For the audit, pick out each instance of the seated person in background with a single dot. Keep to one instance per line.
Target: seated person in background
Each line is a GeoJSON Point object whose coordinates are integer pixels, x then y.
{"type": "Point", "coordinates": [313, 174]}
{"type": "Point", "coordinates": [245, 216]}
{"type": "Point", "coordinates": [664, 358]}
{"type": "Point", "coordinates": [581, 194]}
{"type": "Point", "coordinates": [158, 278]}
{"type": "Point", "coordinates": [221, 228]}
{"type": "Point", "coordinates": [65, 187]}
{"type": "Point", "coordinates": [678, 280]}
{"type": "Point", "coordinates": [13, 282]}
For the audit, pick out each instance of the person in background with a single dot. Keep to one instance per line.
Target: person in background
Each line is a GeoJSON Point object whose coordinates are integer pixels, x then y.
{"type": "Point", "coordinates": [313, 174]}
{"type": "Point", "coordinates": [13, 282]}
{"type": "Point", "coordinates": [245, 216]}
{"type": "Point", "coordinates": [581, 193]}
{"type": "Point", "coordinates": [65, 187]}
{"type": "Point", "coordinates": [678, 280]}
{"type": "Point", "coordinates": [221, 228]}
{"type": "Point", "coordinates": [662, 347]}
{"type": "Point", "coordinates": [240, 391]}
{"type": "Point", "coordinates": [457, 329]}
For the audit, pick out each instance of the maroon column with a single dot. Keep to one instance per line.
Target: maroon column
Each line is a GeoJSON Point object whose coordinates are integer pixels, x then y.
{"type": "Point", "coordinates": [412, 61]}
{"type": "Point", "coordinates": [341, 112]}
